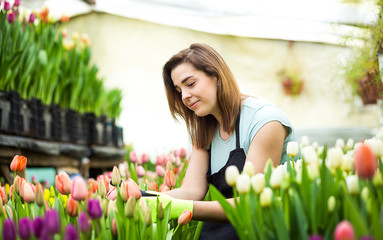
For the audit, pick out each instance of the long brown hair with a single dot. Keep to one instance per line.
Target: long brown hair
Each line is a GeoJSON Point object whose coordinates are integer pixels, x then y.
{"type": "Point", "coordinates": [207, 60]}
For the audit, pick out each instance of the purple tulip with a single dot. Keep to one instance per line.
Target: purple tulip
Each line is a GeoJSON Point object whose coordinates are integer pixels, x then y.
{"type": "Point", "coordinates": [16, 3]}
{"type": "Point", "coordinates": [366, 238]}
{"type": "Point", "coordinates": [7, 6]}
{"type": "Point", "coordinates": [70, 233]}
{"type": "Point", "coordinates": [38, 223]}
{"type": "Point", "coordinates": [83, 223]}
{"type": "Point", "coordinates": [25, 228]}
{"type": "Point", "coordinates": [10, 234]}
{"type": "Point", "coordinates": [32, 18]}
{"type": "Point", "coordinates": [11, 17]}
{"type": "Point", "coordinates": [315, 237]}
{"type": "Point", "coordinates": [52, 222]}
{"type": "Point", "coordinates": [94, 209]}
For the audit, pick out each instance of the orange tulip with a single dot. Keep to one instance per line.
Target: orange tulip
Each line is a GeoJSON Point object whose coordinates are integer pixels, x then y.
{"type": "Point", "coordinates": [164, 188]}
{"type": "Point", "coordinates": [63, 183]}
{"type": "Point", "coordinates": [114, 227]}
{"type": "Point", "coordinates": [185, 217]}
{"type": "Point", "coordinates": [93, 186]}
{"type": "Point", "coordinates": [153, 186]}
{"type": "Point", "coordinates": [72, 207]}
{"type": "Point", "coordinates": [365, 161]}
{"type": "Point", "coordinates": [3, 195]}
{"type": "Point", "coordinates": [18, 163]}
{"type": "Point", "coordinates": [170, 179]}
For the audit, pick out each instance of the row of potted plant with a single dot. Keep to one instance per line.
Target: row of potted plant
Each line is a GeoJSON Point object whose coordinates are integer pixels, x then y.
{"type": "Point", "coordinates": [44, 73]}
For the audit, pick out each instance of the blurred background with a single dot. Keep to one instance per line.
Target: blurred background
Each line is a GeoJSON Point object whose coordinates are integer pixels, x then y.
{"type": "Point", "coordinates": [310, 58]}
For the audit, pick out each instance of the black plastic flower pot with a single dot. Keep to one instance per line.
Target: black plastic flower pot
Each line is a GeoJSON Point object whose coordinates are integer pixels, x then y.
{"type": "Point", "coordinates": [64, 135]}
{"type": "Point", "coordinates": [35, 121]}
{"type": "Point", "coordinates": [83, 130]}
{"type": "Point", "coordinates": [100, 131]}
{"type": "Point", "coordinates": [91, 127]}
{"type": "Point", "coordinates": [109, 126]}
{"type": "Point", "coordinates": [118, 140]}
{"type": "Point", "coordinates": [47, 123]}
{"type": "Point", "coordinates": [55, 122]}
{"type": "Point", "coordinates": [25, 116]}
{"type": "Point", "coordinates": [5, 110]}
{"type": "Point", "coordinates": [14, 125]}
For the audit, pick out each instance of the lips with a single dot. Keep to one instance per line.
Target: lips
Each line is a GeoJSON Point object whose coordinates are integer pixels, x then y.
{"type": "Point", "coordinates": [193, 105]}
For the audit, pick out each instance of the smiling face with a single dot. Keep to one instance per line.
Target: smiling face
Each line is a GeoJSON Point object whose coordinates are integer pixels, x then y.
{"type": "Point", "coordinates": [198, 90]}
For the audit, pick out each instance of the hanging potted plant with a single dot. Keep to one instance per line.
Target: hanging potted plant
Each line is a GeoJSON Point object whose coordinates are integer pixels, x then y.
{"type": "Point", "coordinates": [292, 82]}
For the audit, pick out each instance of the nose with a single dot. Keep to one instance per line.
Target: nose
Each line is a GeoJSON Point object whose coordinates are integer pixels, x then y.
{"type": "Point", "coordinates": [185, 94]}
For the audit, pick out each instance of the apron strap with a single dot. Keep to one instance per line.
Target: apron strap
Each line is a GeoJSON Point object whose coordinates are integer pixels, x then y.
{"type": "Point", "coordinates": [237, 131]}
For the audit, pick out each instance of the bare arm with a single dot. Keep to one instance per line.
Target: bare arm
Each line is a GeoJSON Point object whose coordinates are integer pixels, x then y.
{"type": "Point", "coordinates": [267, 143]}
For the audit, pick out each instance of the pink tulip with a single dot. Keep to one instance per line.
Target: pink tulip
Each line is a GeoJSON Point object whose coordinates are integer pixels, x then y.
{"type": "Point", "coordinates": [183, 152]}
{"type": "Point", "coordinates": [133, 156]}
{"type": "Point", "coordinates": [132, 189]}
{"type": "Point", "coordinates": [177, 153]}
{"type": "Point", "coordinates": [160, 170]}
{"type": "Point", "coordinates": [79, 189]}
{"type": "Point", "coordinates": [366, 162]}
{"type": "Point", "coordinates": [28, 192]}
{"type": "Point", "coordinates": [145, 158]}
{"type": "Point", "coordinates": [140, 171]}
{"type": "Point", "coordinates": [344, 231]}
{"type": "Point", "coordinates": [16, 3]}
{"type": "Point", "coordinates": [170, 179]}
{"type": "Point", "coordinates": [153, 186]}
{"type": "Point", "coordinates": [164, 188]}
{"type": "Point", "coordinates": [160, 160]}
{"type": "Point", "coordinates": [112, 194]}
{"type": "Point", "coordinates": [63, 183]}
{"type": "Point", "coordinates": [18, 163]}
{"type": "Point", "coordinates": [39, 195]}
{"type": "Point", "coordinates": [185, 217]}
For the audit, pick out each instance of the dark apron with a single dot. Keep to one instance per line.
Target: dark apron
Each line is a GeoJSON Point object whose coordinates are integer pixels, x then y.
{"type": "Point", "coordinates": [237, 157]}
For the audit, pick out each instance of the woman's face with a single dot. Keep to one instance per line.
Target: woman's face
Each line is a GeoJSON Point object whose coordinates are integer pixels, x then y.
{"type": "Point", "coordinates": [198, 90]}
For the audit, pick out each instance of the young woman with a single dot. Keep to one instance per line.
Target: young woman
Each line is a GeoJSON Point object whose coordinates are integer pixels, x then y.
{"type": "Point", "coordinates": [226, 128]}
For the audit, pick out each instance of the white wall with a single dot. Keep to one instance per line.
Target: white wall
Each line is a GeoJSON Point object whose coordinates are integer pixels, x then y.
{"type": "Point", "coordinates": [130, 55]}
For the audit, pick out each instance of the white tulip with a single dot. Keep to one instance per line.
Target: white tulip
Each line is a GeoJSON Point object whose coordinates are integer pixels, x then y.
{"type": "Point", "coordinates": [276, 177]}
{"type": "Point", "coordinates": [258, 182]}
{"type": "Point", "coordinates": [347, 163]}
{"type": "Point", "coordinates": [376, 146]}
{"type": "Point", "coordinates": [334, 158]}
{"type": "Point", "coordinates": [231, 175]}
{"type": "Point", "coordinates": [309, 155]}
{"type": "Point", "coordinates": [292, 148]}
{"type": "Point", "coordinates": [304, 141]}
{"type": "Point", "coordinates": [340, 143]}
{"type": "Point", "coordinates": [266, 197]}
{"type": "Point", "coordinates": [365, 193]}
{"type": "Point", "coordinates": [352, 184]}
{"type": "Point", "coordinates": [331, 201]}
{"type": "Point", "coordinates": [243, 183]}
{"type": "Point", "coordinates": [248, 168]}
{"type": "Point", "coordinates": [377, 179]}
{"type": "Point", "coordinates": [350, 143]}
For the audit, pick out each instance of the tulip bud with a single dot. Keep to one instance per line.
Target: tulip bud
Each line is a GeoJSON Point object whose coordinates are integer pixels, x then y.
{"type": "Point", "coordinates": [114, 227]}
{"type": "Point", "coordinates": [133, 156]}
{"type": "Point", "coordinates": [83, 223]}
{"type": "Point", "coordinates": [315, 237]}
{"type": "Point", "coordinates": [258, 182]}
{"type": "Point", "coordinates": [365, 194]}
{"type": "Point", "coordinates": [147, 217]}
{"type": "Point", "coordinates": [19, 162]}
{"type": "Point", "coordinates": [133, 189]}
{"type": "Point", "coordinates": [145, 158]}
{"type": "Point", "coordinates": [7, 6]}
{"type": "Point", "coordinates": [248, 168]}
{"type": "Point", "coordinates": [334, 157]}
{"type": "Point", "coordinates": [365, 161]}
{"type": "Point", "coordinates": [344, 230]}
{"type": "Point", "coordinates": [32, 18]}
{"type": "Point", "coordinates": [185, 217]}
{"type": "Point", "coordinates": [377, 179]}
{"type": "Point", "coordinates": [231, 175]}
{"type": "Point", "coordinates": [304, 141]}
{"type": "Point", "coordinates": [352, 184]}
{"type": "Point", "coordinates": [265, 197]}
{"type": "Point", "coordinates": [170, 179]}
{"type": "Point", "coordinates": [331, 201]}
{"type": "Point", "coordinates": [112, 194]}
{"type": "Point", "coordinates": [152, 186]}
{"type": "Point", "coordinates": [72, 207]}
{"type": "Point", "coordinates": [10, 232]}
{"type": "Point", "coordinates": [164, 188]}
{"type": "Point", "coordinates": [243, 183]}
{"type": "Point", "coordinates": [52, 222]}
{"type": "Point", "coordinates": [160, 212]}
{"type": "Point", "coordinates": [94, 209]}
{"type": "Point", "coordinates": [3, 195]}
{"type": "Point", "coordinates": [70, 233]}
{"type": "Point", "coordinates": [292, 149]}
{"type": "Point", "coordinates": [28, 193]}
{"type": "Point", "coordinates": [310, 156]}
{"type": "Point", "coordinates": [79, 189]}
{"type": "Point", "coordinates": [25, 228]}
{"type": "Point", "coordinates": [63, 183]}
{"type": "Point", "coordinates": [116, 178]}
{"type": "Point", "coordinates": [376, 145]}
{"type": "Point", "coordinates": [169, 164]}
{"type": "Point", "coordinates": [276, 177]}
{"type": "Point", "coordinates": [347, 163]}
{"type": "Point", "coordinates": [350, 144]}
{"type": "Point", "coordinates": [339, 143]}
{"type": "Point", "coordinates": [160, 170]}
{"type": "Point", "coordinates": [39, 196]}
{"type": "Point", "coordinates": [130, 207]}
{"type": "Point", "coordinates": [37, 226]}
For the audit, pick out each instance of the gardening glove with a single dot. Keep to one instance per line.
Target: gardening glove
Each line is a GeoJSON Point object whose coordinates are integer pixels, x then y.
{"type": "Point", "coordinates": [177, 206]}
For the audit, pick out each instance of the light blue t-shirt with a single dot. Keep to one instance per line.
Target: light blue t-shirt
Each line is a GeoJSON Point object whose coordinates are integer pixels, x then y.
{"type": "Point", "coordinates": [255, 113]}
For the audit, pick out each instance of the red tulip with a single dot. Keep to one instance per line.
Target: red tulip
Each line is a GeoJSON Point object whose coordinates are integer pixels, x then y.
{"type": "Point", "coordinates": [185, 217]}
{"type": "Point", "coordinates": [344, 231]}
{"type": "Point", "coordinates": [63, 183]}
{"type": "Point", "coordinates": [72, 207]}
{"type": "Point", "coordinates": [170, 179]}
{"type": "Point", "coordinates": [112, 194]}
{"type": "Point", "coordinates": [365, 161]}
{"type": "Point", "coordinates": [79, 189]}
{"type": "Point", "coordinates": [18, 163]}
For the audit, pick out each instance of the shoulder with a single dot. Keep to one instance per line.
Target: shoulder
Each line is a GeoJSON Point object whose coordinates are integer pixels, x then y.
{"type": "Point", "coordinates": [259, 107]}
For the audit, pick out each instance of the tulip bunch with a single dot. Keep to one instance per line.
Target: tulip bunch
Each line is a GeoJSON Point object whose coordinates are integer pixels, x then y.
{"type": "Point", "coordinates": [325, 194]}
{"type": "Point", "coordinates": [110, 207]}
